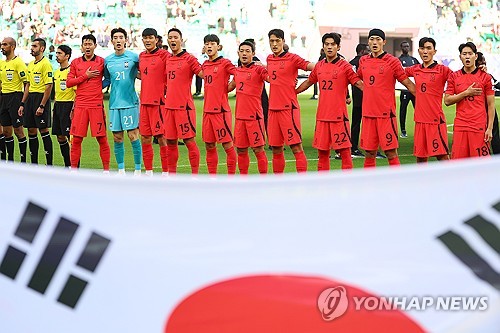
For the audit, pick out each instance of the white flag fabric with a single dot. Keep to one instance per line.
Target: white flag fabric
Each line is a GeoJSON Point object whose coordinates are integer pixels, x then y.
{"type": "Point", "coordinates": [87, 252]}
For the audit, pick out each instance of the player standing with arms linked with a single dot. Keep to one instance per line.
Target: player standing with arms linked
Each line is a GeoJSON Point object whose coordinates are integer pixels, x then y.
{"type": "Point", "coordinates": [179, 108]}
{"type": "Point", "coordinates": [333, 74]}
{"type": "Point", "coordinates": [284, 109]}
{"type": "Point", "coordinates": [152, 119]}
{"type": "Point", "coordinates": [86, 74]}
{"type": "Point", "coordinates": [64, 101]}
{"type": "Point", "coordinates": [471, 90]}
{"type": "Point", "coordinates": [120, 72]}
{"type": "Point", "coordinates": [379, 72]}
{"type": "Point", "coordinates": [217, 117]}
{"type": "Point", "coordinates": [431, 134]}
{"type": "Point", "coordinates": [249, 129]}
{"type": "Point", "coordinates": [35, 105]}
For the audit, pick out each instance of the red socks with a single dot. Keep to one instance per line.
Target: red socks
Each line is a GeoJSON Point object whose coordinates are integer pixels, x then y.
{"type": "Point", "coordinates": [104, 151]}
{"type": "Point", "coordinates": [279, 163]}
{"type": "Point", "coordinates": [394, 162]}
{"type": "Point", "coordinates": [300, 161]}
{"type": "Point", "coordinates": [370, 162]}
{"type": "Point", "coordinates": [76, 151]}
{"type": "Point", "coordinates": [173, 157]}
{"type": "Point", "coordinates": [212, 161]}
{"type": "Point", "coordinates": [345, 154]}
{"type": "Point", "coordinates": [231, 160]}
{"type": "Point", "coordinates": [147, 156]}
{"type": "Point", "coordinates": [164, 158]}
{"type": "Point", "coordinates": [262, 162]}
{"type": "Point", "coordinates": [243, 162]}
{"type": "Point", "coordinates": [323, 160]}
{"type": "Point", "coordinates": [194, 156]}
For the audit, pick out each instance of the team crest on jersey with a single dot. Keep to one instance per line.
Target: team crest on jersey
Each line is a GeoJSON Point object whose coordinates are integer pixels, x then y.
{"type": "Point", "coordinates": [433, 77]}
{"type": "Point", "coordinates": [126, 64]}
{"type": "Point", "coordinates": [282, 64]}
{"type": "Point", "coordinates": [216, 69]}
{"type": "Point", "coordinates": [381, 70]}
{"type": "Point", "coordinates": [249, 76]}
{"type": "Point", "coordinates": [179, 65]}
{"type": "Point", "coordinates": [335, 74]}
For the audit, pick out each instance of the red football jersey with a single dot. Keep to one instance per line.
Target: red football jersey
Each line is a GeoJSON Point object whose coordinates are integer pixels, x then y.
{"type": "Point", "coordinates": [379, 75]}
{"type": "Point", "coordinates": [180, 70]}
{"type": "Point", "coordinates": [471, 111]}
{"type": "Point", "coordinates": [429, 83]}
{"type": "Point", "coordinates": [89, 91]}
{"type": "Point", "coordinates": [216, 75]}
{"type": "Point", "coordinates": [249, 84]}
{"type": "Point", "coordinates": [283, 71]}
{"type": "Point", "coordinates": [333, 79]}
{"type": "Point", "coordinates": [152, 69]}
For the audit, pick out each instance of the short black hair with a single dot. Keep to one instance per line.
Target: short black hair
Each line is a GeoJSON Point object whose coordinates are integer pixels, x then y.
{"type": "Point", "coordinates": [480, 59]}
{"type": "Point", "coordinates": [360, 47]}
{"type": "Point", "coordinates": [66, 49]}
{"type": "Point", "coordinates": [403, 42]}
{"type": "Point", "coordinates": [89, 37]}
{"type": "Point", "coordinates": [277, 32]}
{"type": "Point", "coordinates": [175, 30]}
{"type": "Point", "coordinates": [247, 43]}
{"type": "Point", "coordinates": [336, 37]}
{"type": "Point", "coordinates": [250, 40]}
{"type": "Point", "coordinates": [424, 40]}
{"type": "Point", "coordinates": [118, 30]}
{"type": "Point", "coordinates": [149, 32]}
{"type": "Point", "coordinates": [468, 44]}
{"type": "Point", "coordinates": [211, 38]}
{"type": "Point", "coordinates": [41, 41]}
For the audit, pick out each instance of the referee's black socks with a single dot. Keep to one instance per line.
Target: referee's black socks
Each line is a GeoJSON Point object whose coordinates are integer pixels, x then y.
{"type": "Point", "coordinates": [33, 144]}
{"type": "Point", "coordinates": [47, 146]}
{"type": "Point", "coordinates": [23, 143]}
{"type": "Point", "coordinates": [3, 152]}
{"type": "Point", "coordinates": [64, 146]}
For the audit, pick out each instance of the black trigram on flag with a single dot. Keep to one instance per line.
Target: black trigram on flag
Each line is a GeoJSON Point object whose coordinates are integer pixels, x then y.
{"type": "Point", "coordinates": [53, 254]}
{"type": "Point", "coordinates": [465, 253]}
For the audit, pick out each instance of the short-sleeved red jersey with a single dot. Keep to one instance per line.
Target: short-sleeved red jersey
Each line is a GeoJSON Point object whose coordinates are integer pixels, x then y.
{"type": "Point", "coordinates": [379, 75]}
{"type": "Point", "coordinates": [249, 84]}
{"type": "Point", "coordinates": [89, 91]}
{"type": "Point", "coordinates": [180, 69]}
{"type": "Point", "coordinates": [152, 69]}
{"type": "Point", "coordinates": [429, 84]}
{"type": "Point", "coordinates": [333, 79]}
{"type": "Point", "coordinates": [283, 71]}
{"type": "Point", "coordinates": [216, 75]}
{"type": "Point", "coordinates": [471, 111]}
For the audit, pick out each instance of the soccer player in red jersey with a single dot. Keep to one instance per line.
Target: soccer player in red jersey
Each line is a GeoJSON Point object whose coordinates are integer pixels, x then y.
{"type": "Point", "coordinates": [284, 109]}
{"type": "Point", "coordinates": [471, 90]}
{"type": "Point", "coordinates": [431, 138]}
{"type": "Point", "coordinates": [180, 112]}
{"type": "Point", "coordinates": [217, 118]}
{"type": "Point", "coordinates": [249, 126]}
{"type": "Point", "coordinates": [86, 74]}
{"type": "Point", "coordinates": [379, 72]}
{"type": "Point", "coordinates": [333, 74]}
{"type": "Point", "coordinates": [152, 119]}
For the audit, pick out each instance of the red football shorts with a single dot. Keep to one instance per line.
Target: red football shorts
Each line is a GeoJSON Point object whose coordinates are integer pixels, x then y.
{"type": "Point", "coordinates": [469, 144]}
{"type": "Point", "coordinates": [151, 120]}
{"type": "Point", "coordinates": [180, 124]}
{"type": "Point", "coordinates": [249, 133]}
{"type": "Point", "coordinates": [83, 116]}
{"type": "Point", "coordinates": [332, 135]}
{"type": "Point", "coordinates": [216, 127]}
{"type": "Point", "coordinates": [283, 127]}
{"type": "Point", "coordinates": [377, 132]}
{"type": "Point", "coordinates": [430, 140]}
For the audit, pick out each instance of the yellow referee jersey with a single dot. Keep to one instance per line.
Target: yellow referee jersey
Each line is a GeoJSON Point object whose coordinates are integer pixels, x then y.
{"type": "Point", "coordinates": [39, 75]}
{"type": "Point", "coordinates": [63, 94]}
{"type": "Point", "coordinates": [13, 74]}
